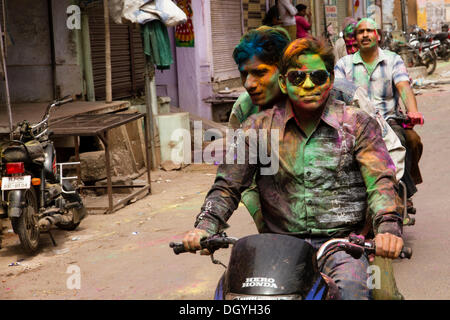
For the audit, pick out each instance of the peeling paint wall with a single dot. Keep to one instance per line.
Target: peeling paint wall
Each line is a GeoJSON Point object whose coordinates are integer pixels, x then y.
{"type": "Point", "coordinates": [29, 54]}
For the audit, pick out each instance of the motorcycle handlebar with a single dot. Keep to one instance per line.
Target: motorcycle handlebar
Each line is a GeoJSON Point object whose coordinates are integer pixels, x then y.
{"type": "Point", "coordinates": [213, 243]}
{"type": "Point", "coordinates": [404, 119]}
{"type": "Point", "coordinates": [354, 245]}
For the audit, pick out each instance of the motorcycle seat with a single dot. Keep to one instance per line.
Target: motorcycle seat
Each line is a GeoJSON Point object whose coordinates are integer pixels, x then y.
{"type": "Point", "coordinates": [34, 152]}
{"type": "Point", "coordinates": [441, 36]}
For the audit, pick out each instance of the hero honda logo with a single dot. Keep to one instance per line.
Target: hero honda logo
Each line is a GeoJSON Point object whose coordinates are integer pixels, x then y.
{"type": "Point", "coordinates": [259, 282]}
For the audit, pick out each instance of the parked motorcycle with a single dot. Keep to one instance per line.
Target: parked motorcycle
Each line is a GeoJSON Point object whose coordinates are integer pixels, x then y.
{"type": "Point", "coordinates": [34, 194]}
{"type": "Point", "coordinates": [272, 266]}
{"type": "Point", "coordinates": [440, 40]}
{"type": "Point", "coordinates": [413, 52]}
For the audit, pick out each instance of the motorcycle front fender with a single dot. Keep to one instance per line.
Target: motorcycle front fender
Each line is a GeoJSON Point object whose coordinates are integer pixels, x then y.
{"type": "Point", "coordinates": [16, 200]}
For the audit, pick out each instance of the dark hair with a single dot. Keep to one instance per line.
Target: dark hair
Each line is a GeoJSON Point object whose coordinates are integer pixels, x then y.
{"type": "Point", "coordinates": [301, 7]}
{"type": "Point", "coordinates": [266, 43]}
{"type": "Point", "coordinates": [270, 15]}
{"type": "Point", "coordinates": [307, 46]}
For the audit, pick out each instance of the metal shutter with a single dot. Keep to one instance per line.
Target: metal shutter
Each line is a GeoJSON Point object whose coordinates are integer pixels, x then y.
{"type": "Point", "coordinates": [226, 27]}
{"type": "Point", "coordinates": [127, 56]}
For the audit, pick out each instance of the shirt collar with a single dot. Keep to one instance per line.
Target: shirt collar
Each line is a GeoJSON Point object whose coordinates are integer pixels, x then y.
{"type": "Point", "coordinates": [357, 57]}
{"type": "Point", "coordinates": [329, 115]}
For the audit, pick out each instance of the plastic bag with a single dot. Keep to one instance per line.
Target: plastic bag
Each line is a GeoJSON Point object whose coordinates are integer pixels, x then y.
{"type": "Point", "coordinates": [168, 12]}
{"type": "Point", "coordinates": [143, 11]}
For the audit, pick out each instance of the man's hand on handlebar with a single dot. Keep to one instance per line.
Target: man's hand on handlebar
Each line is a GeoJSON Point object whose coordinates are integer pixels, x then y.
{"type": "Point", "coordinates": [388, 246]}
{"type": "Point", "coordinates": [191, 241]}
{"type": "Point", "coordinates": [415, 118]}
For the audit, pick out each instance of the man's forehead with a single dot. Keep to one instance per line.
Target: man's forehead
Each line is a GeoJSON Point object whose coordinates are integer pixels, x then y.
{"type": "Point", "coordinates": [307, 61]}
{"type": "Point", "coordinates": [366, 23]}
{"type": "Point", "coordinates": [254, 63]}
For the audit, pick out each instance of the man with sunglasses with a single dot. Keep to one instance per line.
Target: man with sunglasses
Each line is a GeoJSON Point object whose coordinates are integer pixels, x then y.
{"type": "Point", "coordinates": [333, 164]}
{"type": "Point", "coordinates": [383, 74]}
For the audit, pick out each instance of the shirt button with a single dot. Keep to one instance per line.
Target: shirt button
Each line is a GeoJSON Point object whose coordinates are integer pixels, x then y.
{"type": "Point", "coordinates": [309, 202]}
{"type": "Point", "coordinates": [308, 173]}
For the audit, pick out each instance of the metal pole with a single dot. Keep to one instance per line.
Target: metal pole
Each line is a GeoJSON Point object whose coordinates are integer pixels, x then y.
{"type": "Point", "coordinates": [107, 52]}
{"type": "Point", "coordinates": [8, 98]}
{"type": "Point", "coordinates": [149, 75]}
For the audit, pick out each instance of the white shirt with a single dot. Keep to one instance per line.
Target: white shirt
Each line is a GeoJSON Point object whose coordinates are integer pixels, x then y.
{"type": "Point", "coordinates": [287, 12]}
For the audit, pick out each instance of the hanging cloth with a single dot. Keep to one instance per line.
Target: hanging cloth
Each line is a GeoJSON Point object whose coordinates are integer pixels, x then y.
{"type": "Point", "coordinates": [157, 44]}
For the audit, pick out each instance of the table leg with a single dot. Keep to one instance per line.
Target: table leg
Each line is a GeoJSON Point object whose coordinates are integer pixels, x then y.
{"type": "Point", "coordinates": [147, 153]}
{"type": "Point", "coordinates": [105, 139]}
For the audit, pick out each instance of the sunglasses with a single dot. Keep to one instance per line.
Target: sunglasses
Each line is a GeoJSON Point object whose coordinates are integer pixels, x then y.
{"type": "Point", "coordinates": [318, 77]}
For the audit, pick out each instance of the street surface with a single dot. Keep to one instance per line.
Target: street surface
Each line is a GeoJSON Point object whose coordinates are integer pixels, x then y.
{"type": "Point", "coordinates": [126, 255]}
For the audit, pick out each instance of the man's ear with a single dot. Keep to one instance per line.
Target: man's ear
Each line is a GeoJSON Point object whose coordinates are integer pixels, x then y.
{"type": "Point", "coordinates": [282, 83]}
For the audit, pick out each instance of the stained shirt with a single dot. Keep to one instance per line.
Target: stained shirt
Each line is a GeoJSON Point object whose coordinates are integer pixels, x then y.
{"type": "Point", "coordinates": [389, 69]}
{"type": "Point", "coordinates": [349, 93]}
{"type": "Point", "coordinates": [324, 183]}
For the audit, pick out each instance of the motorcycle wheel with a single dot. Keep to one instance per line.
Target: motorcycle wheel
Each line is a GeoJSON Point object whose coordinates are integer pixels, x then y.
{"type": "Point", "coordinates": [27, 225]}
{"type": "Point", "coordinates": [431, 64]}
{"type": "Point", "coordinates": [446, 53]}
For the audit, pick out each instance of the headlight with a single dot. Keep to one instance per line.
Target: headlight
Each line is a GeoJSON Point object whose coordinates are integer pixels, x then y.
{"type": "Point", "coordinates": [233, 296]}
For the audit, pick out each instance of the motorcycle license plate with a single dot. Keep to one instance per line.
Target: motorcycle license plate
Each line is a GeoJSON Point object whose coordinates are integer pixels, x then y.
{"type": "Point", "coordinates": [13, 183]}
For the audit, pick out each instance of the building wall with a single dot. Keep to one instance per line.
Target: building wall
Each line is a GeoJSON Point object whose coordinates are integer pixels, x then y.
{"type": "Point", "coordinates": [194, 64]}
{"type": "Point", "coordinates": [29, 54]}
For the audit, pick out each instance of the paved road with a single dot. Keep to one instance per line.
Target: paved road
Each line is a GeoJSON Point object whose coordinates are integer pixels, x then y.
{"type": "Point", "coordinates": [126, 256]}
{"type": "Point", "coordinates": [426, 275]}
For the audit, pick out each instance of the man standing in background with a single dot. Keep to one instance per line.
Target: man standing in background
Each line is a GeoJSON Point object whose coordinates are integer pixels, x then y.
{"type": "Point", "coordinates": [303, 24]}
{"type": "Point", "coordinates": [287, 14]}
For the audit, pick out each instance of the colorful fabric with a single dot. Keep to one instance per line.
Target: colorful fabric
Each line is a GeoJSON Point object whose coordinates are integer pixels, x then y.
{"type": "Point", "coordinates": [380, 84]}
{"type": "Point", "coordinates": [325, 182]}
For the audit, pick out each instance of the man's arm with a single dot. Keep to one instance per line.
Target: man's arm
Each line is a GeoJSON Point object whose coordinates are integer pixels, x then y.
{"type": "Point", "coordinates": [378, 172]}
{"type": "Point", "coordinates": [289, 7]}
{"type": "Point", "coordinates": [379, 176]}
{"type": "Point", "coordinates": [401, 79]}
{"type": "Point", "coordinates": [410, 102]}
{"type": "Point", "coordinates": [304, 23]}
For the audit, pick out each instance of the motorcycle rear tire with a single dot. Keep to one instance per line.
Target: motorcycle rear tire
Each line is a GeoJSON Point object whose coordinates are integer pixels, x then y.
{"type": "Point", "coordinates": [431, 65]}
{"type": "Point", "coordinates": [27, 226]}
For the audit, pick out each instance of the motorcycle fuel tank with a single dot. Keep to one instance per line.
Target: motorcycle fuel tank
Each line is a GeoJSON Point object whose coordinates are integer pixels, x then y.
{"type": "Point", "coordinates": [271, 264]}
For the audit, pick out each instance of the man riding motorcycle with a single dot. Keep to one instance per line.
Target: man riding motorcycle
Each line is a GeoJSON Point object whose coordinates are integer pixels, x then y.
{"type": "Point", "coordinates": [383, 74]}
{"type": "Point", "coordinates": [333, 166]}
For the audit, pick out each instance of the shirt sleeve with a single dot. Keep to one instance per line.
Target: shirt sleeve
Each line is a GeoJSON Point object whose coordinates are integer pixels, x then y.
{"type": "Point", "coordinates": [224, 196]}
{"type": "Point", "coordinates": [339, 69]}
{"type": "Point", "coordinates": [378, 172]}
{"type": "Point", "coordinates": [303, 22]}
{"type": "Point", "coordinates": [400, 73]}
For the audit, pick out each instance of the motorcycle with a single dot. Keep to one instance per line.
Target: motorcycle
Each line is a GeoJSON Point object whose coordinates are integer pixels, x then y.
{"type": "Point", "coordinates": [34, 195]}
{"type": "Point", "coordinates": [272, 266]}
{"type": "Point", "coordinates": [440, 40]}
{"type": "Point", "coordinates": [413, 52]}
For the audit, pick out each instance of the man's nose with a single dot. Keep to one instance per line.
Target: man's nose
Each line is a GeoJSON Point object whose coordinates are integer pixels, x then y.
{"type": "Point", "coordinates": [308, 84]}
{"type": "Point", "coordinates": [250, 83]}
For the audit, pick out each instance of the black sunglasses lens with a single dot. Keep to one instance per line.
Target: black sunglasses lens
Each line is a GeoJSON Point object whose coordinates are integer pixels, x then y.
{"type": "Point", "coordinates": [296, 77]}
{"type": "Point", "coordinates": [319, 77]}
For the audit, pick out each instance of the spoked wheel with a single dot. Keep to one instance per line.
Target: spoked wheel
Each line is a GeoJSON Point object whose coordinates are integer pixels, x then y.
{"type": "Point", "coordinates": [27, 225]}
{"type": "Point", "coordinates": [431, 63]}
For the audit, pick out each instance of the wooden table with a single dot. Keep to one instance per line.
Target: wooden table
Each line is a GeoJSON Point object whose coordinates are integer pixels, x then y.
{"type": "Point", "coordinates": [99, 125]}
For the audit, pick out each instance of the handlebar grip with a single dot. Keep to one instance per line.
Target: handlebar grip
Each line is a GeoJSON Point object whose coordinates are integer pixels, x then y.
{"type": "Point", "coordinates": [406, 253]}
{"type": "Point", "coordinates": [177, 247]}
